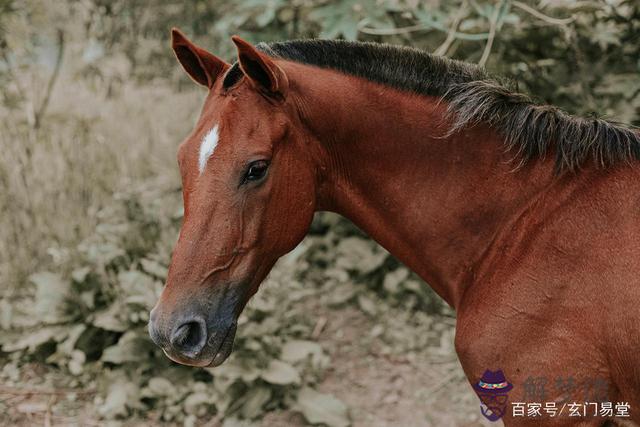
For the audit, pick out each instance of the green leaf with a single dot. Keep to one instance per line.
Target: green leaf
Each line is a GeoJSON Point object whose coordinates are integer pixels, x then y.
{"type": "Point", "coordinates": [139, 288]}
{"type": "Point", "coordinates": [159, 386]}
{"type": "Point", "coordinates": [76, 363]}
{"type": "Point", "coordinates": [102, 253]}
{"type": "Point", "coordinates": [267, 16]}
{"type": "Point", "coordinates": [263, 304]}
{"type": "Point", "coordinates": [121, 395]}
{"type": "Point", "coordinates": [256, 398]}
{"type": "Point", "coordinates": [606, 34]}
{"type": "Point", "coordinates": [6, 314]}
{"type": "Point", "coordinates": [321, 408]}
{"type": "Point", "coordinates": [414, 286]}
{"type": "Point", "coordinates": [297, 350]}
{"type": "Point", "coordinates": [393, 279]}
{"type": "Point", "coordinates": [130, 348]}
{"type": "Point", "coordinates": [80, 274]}
{"type": "Point", "coordinates": [52, 294]}
{"type": "Point", "coordinates": [154, 268]}
{"type": "Point", "coordinates": [280, 373]}
{"type": "Point", "coordinates": [112, 319]}
{"type": "Point", "coordinates": [342, 294]}
{"type": "Point", "coordinates": [359, 255]}
{"type": "Point", "coordinates": [337, 20]}
{"type": "Point", "coordinates": [236, 368]}
{"type": "Point", "coordinates": [65, 350]}
{"type": "Point", "coordinates": [35, 339]}
{"type": "Point", "coordinates": [367, 305]}
{"type": "Point", "coordinates": [198, 403]}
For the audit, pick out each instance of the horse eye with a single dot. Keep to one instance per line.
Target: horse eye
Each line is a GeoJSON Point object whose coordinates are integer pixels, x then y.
{"type": "Point", "coordinates": [256, 171]}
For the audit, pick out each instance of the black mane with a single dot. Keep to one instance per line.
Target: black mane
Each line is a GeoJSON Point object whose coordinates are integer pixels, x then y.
{"type": "Point", "coordinates": [473, 97]}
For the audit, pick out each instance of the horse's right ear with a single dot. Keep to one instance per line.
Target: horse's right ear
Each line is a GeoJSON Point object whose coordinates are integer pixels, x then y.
{"type": "Point", "coordinates": [202, 66]}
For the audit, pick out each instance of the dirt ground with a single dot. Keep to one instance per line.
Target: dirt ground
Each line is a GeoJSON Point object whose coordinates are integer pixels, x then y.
{"type": "Point", "coordinates": [382, 389]}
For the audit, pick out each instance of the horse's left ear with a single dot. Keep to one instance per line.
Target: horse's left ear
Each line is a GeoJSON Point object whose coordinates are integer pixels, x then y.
{"type": "Point", "coordinates": [202, 66]}
{"type": "Point", "coordinates": [261, 70]}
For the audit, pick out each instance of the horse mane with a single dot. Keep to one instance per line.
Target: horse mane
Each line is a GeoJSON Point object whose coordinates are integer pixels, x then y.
{"type": "Point", "coordinates": [473, 96]}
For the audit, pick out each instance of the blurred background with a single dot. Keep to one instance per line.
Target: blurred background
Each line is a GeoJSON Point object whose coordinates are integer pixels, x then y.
{"type": "Point", "coordinates": [92, 108]}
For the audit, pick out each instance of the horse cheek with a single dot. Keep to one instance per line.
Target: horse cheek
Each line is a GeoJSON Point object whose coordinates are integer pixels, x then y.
{"type": "Point", "coordinates": [293, 214]}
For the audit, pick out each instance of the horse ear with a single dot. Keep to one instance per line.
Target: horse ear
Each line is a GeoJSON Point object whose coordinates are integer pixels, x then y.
{"type": "Point", "coordinates": [261, 70]}
{"type": "Point", "coordinates": [202, 66]}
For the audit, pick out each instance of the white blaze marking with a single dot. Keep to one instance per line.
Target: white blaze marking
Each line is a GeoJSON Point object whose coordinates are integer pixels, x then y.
{"type": "Point", "coordinates": [209, 143]}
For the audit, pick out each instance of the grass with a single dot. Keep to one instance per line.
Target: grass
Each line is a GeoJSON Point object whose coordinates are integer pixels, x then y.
{"type": "Point", "coordinates": [56, 178]}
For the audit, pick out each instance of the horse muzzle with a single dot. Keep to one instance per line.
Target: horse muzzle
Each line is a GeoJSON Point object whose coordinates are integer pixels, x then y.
{"type": "Point", "coordinates": [202, 332]}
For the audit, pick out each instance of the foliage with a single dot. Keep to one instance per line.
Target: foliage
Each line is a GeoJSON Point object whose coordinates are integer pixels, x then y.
{"type": "Point", "coordinates": [580, 55]}
{"type": "Point", "coordinates": [91, 323]}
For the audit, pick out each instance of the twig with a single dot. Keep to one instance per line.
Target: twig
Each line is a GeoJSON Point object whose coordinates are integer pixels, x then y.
{"type": "Point", "coordinates": [492, 34]}
{"type": "Point", "coordinates": [423, 26]}
{"type": "Point", "coordinates": [52, 81]}
{"type": "Point", "coordinates": [47, 415]}
{"type": "Point", "coordinates": [542, 16]}
{"type": "Point", "coordinates": [16, 391]}
{"type": "Point", "coordinates": [432, 391]}
{"type": "Point", "coordinates": [317, 330]}
{"type": "Point", "coordinates": [451, 34]}
{"type": "Point", "coordinates": [13, 397]}
{"type": "Point", "coordinates": [22, 93]}
{"type": "Point", "coordinates": [394, 31]}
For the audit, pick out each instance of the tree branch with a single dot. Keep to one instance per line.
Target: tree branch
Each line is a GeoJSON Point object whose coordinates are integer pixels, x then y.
{"type": "Point", "coordinates": [492, 34]}
{"type": "Point", "coordinates": [52, 81]}
{"type": "Point", "coordinates": [451, 34]}
{"type": "Point", "coordinates": [423, 26]}
{"type": "Point", "coordinates": [542, 16]}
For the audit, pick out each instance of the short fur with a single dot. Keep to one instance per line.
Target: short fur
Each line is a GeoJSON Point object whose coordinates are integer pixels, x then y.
{"type": "Point", "coordinates": [473, 97]}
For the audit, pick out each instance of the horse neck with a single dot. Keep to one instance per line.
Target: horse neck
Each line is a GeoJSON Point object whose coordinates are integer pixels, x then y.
{"type": "Point", "coordinates": [436, 203]}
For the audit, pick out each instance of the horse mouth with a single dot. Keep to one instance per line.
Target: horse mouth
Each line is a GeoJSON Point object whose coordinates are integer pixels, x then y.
{"type": "Point", "coordinates": [213, 354]}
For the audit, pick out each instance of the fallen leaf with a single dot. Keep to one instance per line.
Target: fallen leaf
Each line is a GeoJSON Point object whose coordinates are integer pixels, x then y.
{"type": "Point", "coordinates": [297, 350]}
{"type": "Point", "coordinates": [280, 373]}
{"type": "Point", "coordinates": [256, 398]}
{"type": "Point", "coordinates": [322, 408]}
{"type": "Point", "coordinates": [52, 293]}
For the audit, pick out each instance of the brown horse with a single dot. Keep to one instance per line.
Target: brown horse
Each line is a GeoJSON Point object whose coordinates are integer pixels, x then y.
{"type": "Point", "coordinates": [524, 219]}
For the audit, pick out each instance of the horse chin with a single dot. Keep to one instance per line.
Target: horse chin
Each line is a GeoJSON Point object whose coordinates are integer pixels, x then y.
{"type": "Point", "coordinates": [188, 362]}
{"type": "Point", "coordinates": [225, 348]}
{"type": "Point", "coordinates": [219, 359]}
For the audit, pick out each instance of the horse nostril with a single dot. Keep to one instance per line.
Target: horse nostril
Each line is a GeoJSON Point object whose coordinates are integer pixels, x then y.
{"type": "Point", "coordinates": [189, 338]}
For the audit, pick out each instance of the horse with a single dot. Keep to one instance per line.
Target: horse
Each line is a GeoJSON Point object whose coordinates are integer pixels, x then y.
{"type": "Point", "coordinates": [523, 218]}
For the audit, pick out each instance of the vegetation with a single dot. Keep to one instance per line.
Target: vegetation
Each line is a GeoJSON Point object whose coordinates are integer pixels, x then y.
{"type": "Point", "coordinates": [93, 106]}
